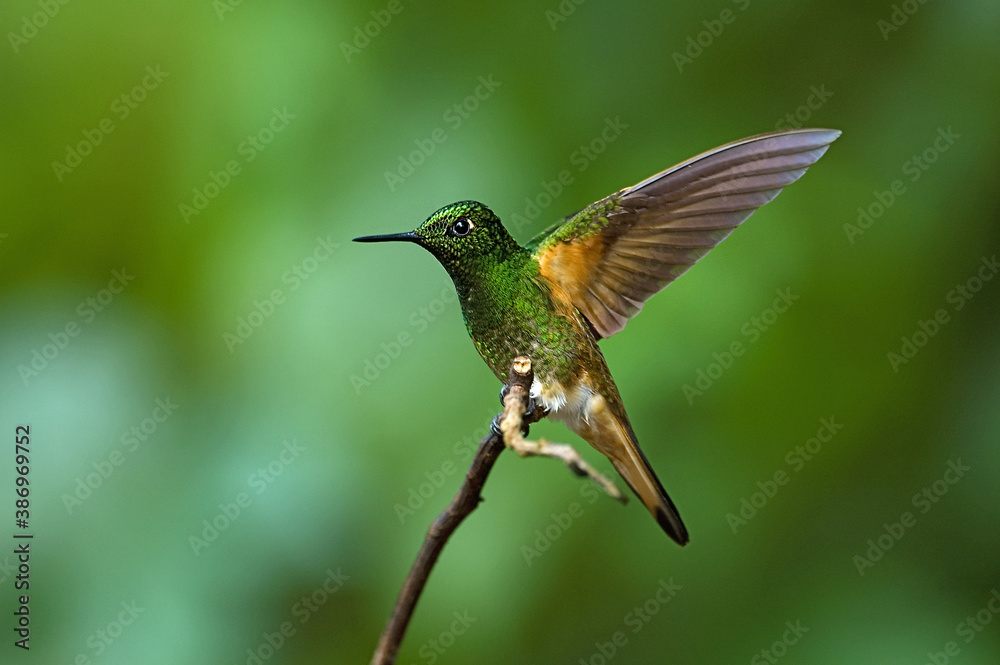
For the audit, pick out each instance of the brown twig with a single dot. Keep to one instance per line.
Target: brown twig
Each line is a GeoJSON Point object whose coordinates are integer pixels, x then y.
{"type": "Point", "coordinates": [510, 426]}
{"type": "Point", "coordinates": [505, 432]}
{"type": "Point", "coordinates": [468, 497]}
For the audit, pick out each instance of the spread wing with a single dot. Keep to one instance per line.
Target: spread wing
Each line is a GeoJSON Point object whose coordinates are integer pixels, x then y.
{"type": "Point", "coordinates": [610, 257]}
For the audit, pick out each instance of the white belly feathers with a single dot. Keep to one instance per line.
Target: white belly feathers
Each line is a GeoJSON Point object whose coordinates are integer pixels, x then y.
{"type": "Point", "coordinates": [568, 406]}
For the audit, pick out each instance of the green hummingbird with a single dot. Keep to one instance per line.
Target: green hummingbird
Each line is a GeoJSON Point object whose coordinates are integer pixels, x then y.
{"type": "Point", "coordinates": [582, 279]}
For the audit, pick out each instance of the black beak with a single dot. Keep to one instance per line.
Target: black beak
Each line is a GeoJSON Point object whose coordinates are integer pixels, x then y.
{"type": "Point", "coordinates": [409, 236]}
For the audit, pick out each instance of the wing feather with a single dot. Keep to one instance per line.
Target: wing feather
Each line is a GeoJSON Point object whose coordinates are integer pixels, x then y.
{"type": "Point", "coordinates": [612, 256]}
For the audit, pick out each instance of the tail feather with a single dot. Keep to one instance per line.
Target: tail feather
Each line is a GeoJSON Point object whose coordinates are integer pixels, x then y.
{"type": "Point", "coordinates": [634, 468]}
{"type": "Point", "coordinates": [605, 426]}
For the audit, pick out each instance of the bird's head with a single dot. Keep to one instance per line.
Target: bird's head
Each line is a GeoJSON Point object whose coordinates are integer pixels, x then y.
{"type": "Point", "coordinates": [465, 237]}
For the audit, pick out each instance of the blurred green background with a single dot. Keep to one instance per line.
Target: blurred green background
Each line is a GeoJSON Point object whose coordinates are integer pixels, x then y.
{"type": "Point", "coordinates": [278, 139]}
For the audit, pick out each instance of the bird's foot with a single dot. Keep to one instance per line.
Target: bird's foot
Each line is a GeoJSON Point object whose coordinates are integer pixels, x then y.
{"type": "Point", "coordinates": [529, 416]}
{"type": "Point", "coordinates": [495, 425]}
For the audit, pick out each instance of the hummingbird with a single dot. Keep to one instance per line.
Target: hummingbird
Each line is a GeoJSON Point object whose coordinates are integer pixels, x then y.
{"type": "Point", "coordinates": [582, 279]}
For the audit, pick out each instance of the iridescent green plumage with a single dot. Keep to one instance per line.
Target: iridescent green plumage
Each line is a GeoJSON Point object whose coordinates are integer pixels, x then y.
{"type": "Point", "coordinates": [584, 278]}
{"type": "Point", "coordinates": [507, 306]}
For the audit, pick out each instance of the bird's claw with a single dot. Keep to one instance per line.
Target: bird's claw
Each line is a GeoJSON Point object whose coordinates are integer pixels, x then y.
{"type": "Point", "coordinates": [529, 413]}
{"type": "Point", "coordinates": [495, 425]}
{"type": "Point", "coordinates": [526, 419]}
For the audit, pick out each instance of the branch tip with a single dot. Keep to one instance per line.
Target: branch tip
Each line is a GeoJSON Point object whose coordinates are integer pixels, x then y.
{"type": "Point", "coordinates": [517, 398]}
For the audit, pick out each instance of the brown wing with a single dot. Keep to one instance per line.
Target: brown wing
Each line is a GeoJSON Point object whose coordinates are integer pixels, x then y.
{"type": "Point", "coordinates": [610, 257]}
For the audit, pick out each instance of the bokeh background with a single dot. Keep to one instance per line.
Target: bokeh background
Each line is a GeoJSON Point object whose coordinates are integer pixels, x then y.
{"type": "Point", "coordinates": [336, 473]}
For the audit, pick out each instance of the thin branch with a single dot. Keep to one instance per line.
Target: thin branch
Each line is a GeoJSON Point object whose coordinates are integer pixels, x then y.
{"type": "Point", "coordinates": [506, 432]}
{"type": "Point", "coordinates": [510, 425]}
{"type": "Point", "coordinates": [465, 502]}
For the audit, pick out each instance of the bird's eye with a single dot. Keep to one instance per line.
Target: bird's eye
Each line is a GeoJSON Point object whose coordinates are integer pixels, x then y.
{"type": "Point", "coordinates": [461, 228]}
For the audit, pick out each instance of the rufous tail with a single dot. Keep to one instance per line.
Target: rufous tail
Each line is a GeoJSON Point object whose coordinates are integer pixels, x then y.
{"type": "Point", "coordinates": [634, 468]}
